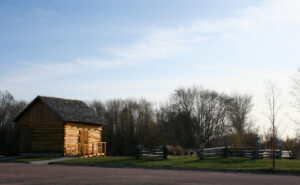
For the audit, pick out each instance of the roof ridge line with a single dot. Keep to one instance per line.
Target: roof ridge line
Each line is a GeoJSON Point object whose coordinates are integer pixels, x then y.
{"type": "Point", "coordinates": [53, 97]}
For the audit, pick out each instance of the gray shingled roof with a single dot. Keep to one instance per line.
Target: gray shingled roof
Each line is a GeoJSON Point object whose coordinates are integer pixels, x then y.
{"type": "Point", "coordinates": [69, 110]}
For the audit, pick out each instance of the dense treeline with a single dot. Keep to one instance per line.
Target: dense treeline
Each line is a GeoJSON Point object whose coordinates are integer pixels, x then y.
{"type": "Point", "coordinates": [190, 117]}
{"type": "Point", "coordinates": [9, 108]}
{"type": "Point", "coordinates": [129, 123]}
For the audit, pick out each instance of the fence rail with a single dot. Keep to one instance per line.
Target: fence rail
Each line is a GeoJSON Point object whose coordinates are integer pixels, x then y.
{"type": "Point", "coordinates": [255, 153]}
{"type": "Point", "coordinates": [157, 152]}
{"type": "Point", "coordinates": [85, 150]}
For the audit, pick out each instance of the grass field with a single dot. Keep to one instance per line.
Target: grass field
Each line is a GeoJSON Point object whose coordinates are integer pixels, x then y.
{"type": "Point", "coordinates": [191, 162]}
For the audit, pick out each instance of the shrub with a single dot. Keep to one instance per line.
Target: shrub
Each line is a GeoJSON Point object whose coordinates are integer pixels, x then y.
{"type": "Point", "coordinates": [170, 150]}
{"type": "Point", "coordinates": [178, 150]}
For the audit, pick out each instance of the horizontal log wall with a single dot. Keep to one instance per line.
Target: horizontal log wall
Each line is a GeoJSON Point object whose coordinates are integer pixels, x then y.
{"type": "Point", "coordinates": [72, 133]}
{"type": "Point", "coordinates": [41, 130]}
{"type": "Point", "coordinates": [41, 137]}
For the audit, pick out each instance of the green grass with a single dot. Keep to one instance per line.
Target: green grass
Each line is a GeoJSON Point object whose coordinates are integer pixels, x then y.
{"type": "Point", "coordinates": [191, 162]}
{"type": "Point", "coordinates": [33, 159]}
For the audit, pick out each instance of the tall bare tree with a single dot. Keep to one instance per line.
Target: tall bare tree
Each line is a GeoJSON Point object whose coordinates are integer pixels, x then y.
{"type": "Point", "coordinates": [273, 104]}
{"type": "Point", "coordinates": [296, 93]}
{"type": "Point", "coordinates": [182, 104]}
{"type": "Point", "coordinates": [239, 110]}
{"type": "Point", "coordinates": [211, 111]}
{"type": "Point", "coordinates": [195, 116]}
{"type": "Point", "coordinates": [6, 104]}
{"type": "Point", "coordinates": [240, 107]}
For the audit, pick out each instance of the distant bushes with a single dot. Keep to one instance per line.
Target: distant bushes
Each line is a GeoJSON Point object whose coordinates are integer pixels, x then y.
{"type": "Point", "coordinates": [174, 150]}
{"type": "Point", "coordinates": [170, 150]}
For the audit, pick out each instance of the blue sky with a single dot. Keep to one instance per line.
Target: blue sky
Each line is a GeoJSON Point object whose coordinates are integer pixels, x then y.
{"type": "Point", "coordinates": [146, 48]}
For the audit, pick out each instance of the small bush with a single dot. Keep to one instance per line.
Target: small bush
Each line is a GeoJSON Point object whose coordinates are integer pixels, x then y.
{"type": "Point", "coordinates": [170, 150]}
{"type": "Point", "coordinates": [174, 150]}
{"type": "Point", "coordinates": [178, 150]}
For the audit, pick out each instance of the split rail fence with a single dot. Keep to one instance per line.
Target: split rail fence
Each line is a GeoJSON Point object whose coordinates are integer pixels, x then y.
{"type": "Point", "coordinates": [156, 152]}
{"type": "Point", "coordinates": [255, 153]}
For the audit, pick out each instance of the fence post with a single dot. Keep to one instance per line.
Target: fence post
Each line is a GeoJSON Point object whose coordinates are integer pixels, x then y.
{"type": "Point", "coordinates": [138, 151]}
{"type": "Point", "coordinates": [280, 152]}
{"type": "Point", "coordinates": [242, 152]}
{"type": "Point", "coordinates": [293, 152]}
{"type": "Point", "coordinates": [257, 148]}
{"type": "Point", "coordinates": [201, 151]}
{"type": "Point", "coordinates": [226, 151]}
{"type": "Point", "coordinates": [165, 152]}
{"type": "Point", "coordinates": [101, 148]}
{"type": "Point", "coordinates": [97, 150]}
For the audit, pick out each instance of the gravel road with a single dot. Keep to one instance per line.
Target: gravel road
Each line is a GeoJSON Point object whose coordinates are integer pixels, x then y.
{"type": "Point", "coordinates": [17, 173]}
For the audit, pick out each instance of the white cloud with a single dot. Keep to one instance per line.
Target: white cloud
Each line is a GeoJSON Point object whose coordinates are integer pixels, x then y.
{"type": "Point", "coordinates": [100, 63]}
{"type": "Point", "coordinates": [161, 43]}
{"type": "Point", "coordinates": [282, 11]}
{"type": "Point", "coordinates": [166, 43]}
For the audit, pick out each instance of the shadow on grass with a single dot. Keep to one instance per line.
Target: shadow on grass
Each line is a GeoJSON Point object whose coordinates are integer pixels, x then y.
{"type": "Point", "coordinates": [221, 163]}
{"type": "Point", "coordinates": [188, 162]}
{"type": "Point", "coordinates": [117, 161]}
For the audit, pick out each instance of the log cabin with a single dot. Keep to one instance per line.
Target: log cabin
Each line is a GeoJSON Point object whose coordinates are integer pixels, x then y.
{"type": "Point", "coordinates": [50, 126]}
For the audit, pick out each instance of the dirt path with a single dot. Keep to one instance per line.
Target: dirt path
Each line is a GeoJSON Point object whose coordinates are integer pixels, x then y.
{"type": "Point", "coordinates": [16, 173]}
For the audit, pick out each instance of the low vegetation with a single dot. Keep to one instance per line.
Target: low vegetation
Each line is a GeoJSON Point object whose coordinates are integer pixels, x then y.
{"type": "Point", "coordinates": [190, 162]}
{"type": "Point", "coordinates": [32, 159]}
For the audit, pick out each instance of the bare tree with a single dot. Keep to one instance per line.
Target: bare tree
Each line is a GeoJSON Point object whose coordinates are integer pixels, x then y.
{"type": "Point", "coordinates": [9, 108]}
{"type": "Point", "coordinates": [296, 93]}
{"type": "Point", "coordinates": [182, 106]}
{"type": "Point", "coordinates": [211, 111]}
{"type": "Point", "coordinates": [6, 103]}
{"type": "Point", "coordinates": [195, 116]}
{"type": "Point", "coordinates": [272, 99]}
{"type": "Point", "coordinates": [239, 109]}
{"type": "Point", "coordinates": [128, 123]}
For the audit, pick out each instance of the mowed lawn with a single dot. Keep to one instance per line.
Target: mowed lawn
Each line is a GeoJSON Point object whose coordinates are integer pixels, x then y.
{"type": "Point", "coordinates": [191, 162]}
